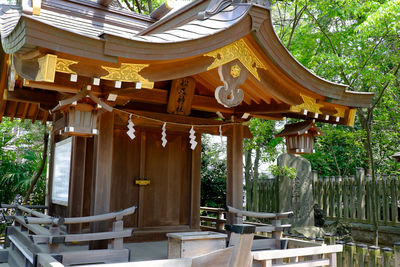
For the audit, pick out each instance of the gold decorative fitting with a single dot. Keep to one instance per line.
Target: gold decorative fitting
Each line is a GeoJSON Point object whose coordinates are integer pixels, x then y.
{"type": "Point", "coordinates": [127, 73]}
{"type": "Point", "coordinates": [340, 112]}
{"type": "Point", "coordinates": [47, 65]}
{"type": "Point", "coordinates": [351, 117]}
{"type": "Point", "coordinates": [237, 50]}
{"type": "Point", "coordinates": [235, 71]}
{"type": "Point", "coordinates": [142, 182]}
{"type": "Point", "coordinates": [64, 64]}
{"type": "Point", "coordinates": [310, 104]}
{"type": "Point", "coordinates": [36, 6]}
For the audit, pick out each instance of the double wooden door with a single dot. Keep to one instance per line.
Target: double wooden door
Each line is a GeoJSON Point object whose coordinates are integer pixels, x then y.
{"type": "Point", "coordinates": [166, 201]}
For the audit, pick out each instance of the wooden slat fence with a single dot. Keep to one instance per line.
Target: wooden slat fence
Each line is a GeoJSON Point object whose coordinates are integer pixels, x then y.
{"type": "Point", "coordinates": [352, 199]}
{"type": "Point", "coordinates": [262, 195]}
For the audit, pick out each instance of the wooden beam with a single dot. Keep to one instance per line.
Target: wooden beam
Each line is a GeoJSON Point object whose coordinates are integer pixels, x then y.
{"type": "Point", "coordinates": [33, 96]}
{"type": "Point", "coordinates": [234, 166]}
{"type": "Point", "coordinates": [159, 96]}
{"type": "Point", "coordinates": [3, 78]}
{"type": "Point", "coordinates": [264, 108]}
{"type": "Point", "coordinates": [101, 184]}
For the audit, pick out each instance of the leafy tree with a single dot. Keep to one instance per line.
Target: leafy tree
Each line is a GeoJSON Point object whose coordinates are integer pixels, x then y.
{"type": "Point", "coordinates": [20, 154]}
{"type": "Point", "coordinates": [261, 148]}
{"type": "Point", "coordinates": [356, 43]}
{"type": "Point", "coordinates": [213, 173]}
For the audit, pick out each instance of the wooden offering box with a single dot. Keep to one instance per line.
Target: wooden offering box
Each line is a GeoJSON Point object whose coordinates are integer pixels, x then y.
{"type": "Point", "coordinates": [191, 244]}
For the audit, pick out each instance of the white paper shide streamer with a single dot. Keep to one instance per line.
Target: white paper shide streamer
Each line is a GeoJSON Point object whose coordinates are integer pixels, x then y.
{"type": "Point", "coordinates": [131, 129]}
{"type": "Point", "coordinates": [164, 135]}
{"type": "Point", "coordinates": [192, 137]}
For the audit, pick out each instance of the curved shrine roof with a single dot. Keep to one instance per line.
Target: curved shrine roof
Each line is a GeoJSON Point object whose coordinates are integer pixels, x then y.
{"type": "Point", "coordinates": [184, 43]}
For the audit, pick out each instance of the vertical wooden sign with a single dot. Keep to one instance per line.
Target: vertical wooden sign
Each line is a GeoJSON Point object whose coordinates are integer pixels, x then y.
{"type": "Point", "coordinates": [181, 96]}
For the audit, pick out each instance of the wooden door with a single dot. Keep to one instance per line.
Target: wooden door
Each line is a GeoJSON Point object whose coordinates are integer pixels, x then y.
{"type": "Point", "coordinates": [166, 201]}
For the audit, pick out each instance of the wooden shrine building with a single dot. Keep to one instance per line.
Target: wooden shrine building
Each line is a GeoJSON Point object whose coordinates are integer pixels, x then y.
{"type": "Point", "coordinates": [129, 96]}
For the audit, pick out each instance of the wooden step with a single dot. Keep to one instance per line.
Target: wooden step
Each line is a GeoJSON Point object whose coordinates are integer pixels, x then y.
{"type": "Point", "coordinates": [19, 254]}
{"type": "Point", "coordinates": [4, 256]}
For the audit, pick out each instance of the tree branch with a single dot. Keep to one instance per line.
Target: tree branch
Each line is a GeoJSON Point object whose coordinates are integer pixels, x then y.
{"type": "Point", "coordinates": [41, 168]}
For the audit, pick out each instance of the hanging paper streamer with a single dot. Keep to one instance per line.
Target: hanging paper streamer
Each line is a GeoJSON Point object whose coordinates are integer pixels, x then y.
{"type": "Point", "coordinates": [131, 131]}
{"type": "Point", "coordinates": [192, 138]}
{"type": "Point", "coordinates": [163, 135]}
{"type": "Point", "coordinates": [220, 135]}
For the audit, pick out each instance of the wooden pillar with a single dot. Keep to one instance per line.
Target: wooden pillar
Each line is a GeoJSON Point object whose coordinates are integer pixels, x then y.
{"type": "Point", "coordinates": [101, 183]}
{"type": "Point", "coordinates": [195, 187]}
{"type": "Point", "coordinates": [234, 177]}
{"type": "Point", "coordinates": [77, 181]}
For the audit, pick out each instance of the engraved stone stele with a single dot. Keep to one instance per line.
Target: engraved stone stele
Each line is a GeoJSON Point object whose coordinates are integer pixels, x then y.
{"type": "Point", "coordinates": [296, 194]}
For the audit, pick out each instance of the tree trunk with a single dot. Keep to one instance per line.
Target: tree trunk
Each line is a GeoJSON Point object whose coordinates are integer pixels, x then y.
{"type": "Point", "coordinates": [41, 168]}
{"type": "Point", "coordinates": [247, 178]}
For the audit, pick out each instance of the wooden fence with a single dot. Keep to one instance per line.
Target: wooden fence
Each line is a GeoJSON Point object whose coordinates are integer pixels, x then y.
{"type": "Point", "coordinates": [353, 199]}
{"type": "Point", "coordinates": [261, 195]}
{"type": "Point", "coordinates": [359, 198]}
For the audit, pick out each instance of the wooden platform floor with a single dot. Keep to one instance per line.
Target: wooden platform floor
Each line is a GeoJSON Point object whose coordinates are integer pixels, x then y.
{"type": "Point", "coordinates": [139, 251]}
{"type": "Point", "coordinates": [148, 250]}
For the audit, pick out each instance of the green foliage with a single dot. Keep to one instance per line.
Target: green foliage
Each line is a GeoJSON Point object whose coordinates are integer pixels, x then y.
{"type": "Point", "coordinates": [355, 43]}
{"type": "Point", "coordinates": [283, 171]}
{"type": "Point", "coordinates": [339, 152]}
{"type": "Point", "coordinates": [213, 174]}
{"type": "Point", "coordinates": [21, 146]}
{"type": "Point", "coordinates": [263, 138]}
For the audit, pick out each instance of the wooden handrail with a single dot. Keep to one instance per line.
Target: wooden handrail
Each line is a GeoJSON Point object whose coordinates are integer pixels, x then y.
{"type": "Point", "coordinates": [118, 215]}
{"type": "Point", "coordinates": [277, 216]}
{"type": "Point", "coordinates": [14, 206]}
{"type": "Point", "coordinates": [295, 252]}
{"type": "Point", "coordinates": [33, 212]}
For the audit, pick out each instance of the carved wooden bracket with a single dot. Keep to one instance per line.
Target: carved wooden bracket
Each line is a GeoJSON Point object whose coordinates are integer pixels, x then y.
{"type": "Point", "coordinates": [232, 74]}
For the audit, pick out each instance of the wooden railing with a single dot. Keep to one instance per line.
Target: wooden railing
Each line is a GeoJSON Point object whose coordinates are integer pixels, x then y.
{"type": "Point", "coordinates": [214, 219]}
{"type": "Point", "coordinates": [359, 198]}
{"type": "Point", "coordinates": [36, 233]}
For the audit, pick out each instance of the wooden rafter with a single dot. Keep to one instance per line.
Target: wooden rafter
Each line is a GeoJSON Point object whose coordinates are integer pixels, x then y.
{"type": "Point", "coordinates": [36, 114]}
{"type": "Point", "coordinates": [26, 109]}
{"type": "Point", "coordinates": [45, 117]}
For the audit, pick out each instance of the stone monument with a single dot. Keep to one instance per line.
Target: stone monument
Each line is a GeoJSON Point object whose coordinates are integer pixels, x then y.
{"type": "Point", "coordinates": [296, 194]}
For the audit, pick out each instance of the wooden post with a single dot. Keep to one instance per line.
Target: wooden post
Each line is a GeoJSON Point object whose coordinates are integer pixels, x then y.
{"type": "Point", "coordinates": [360, 174]}
{"type": "Point", "coordinates": [340, 255]}
{"type": "Point", "coordinates": [234, 179]}
{"type": "Point", "coordinates": [241, 239]}
{"type": "Point", "coordinates": [393, 190]}
{"type": "Point", "coordinates": [397, 254]}
{"type": "Point", "coordinates": [75, 205]}
{"type": "Point", "coordinates": [329, 239]}
{"type": "Point", "coordinates": [362, 251]}
{"type": "Point", "coordinates": [387, 257]}
{"type": "Point", "coordinates": [373, 256]}
{"type": "Point", "coordinates": [195, 187]}
{"type": "Point", "coordinates": [101, 184]}
{"type": "Point", "coordinates": [350, 250]}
